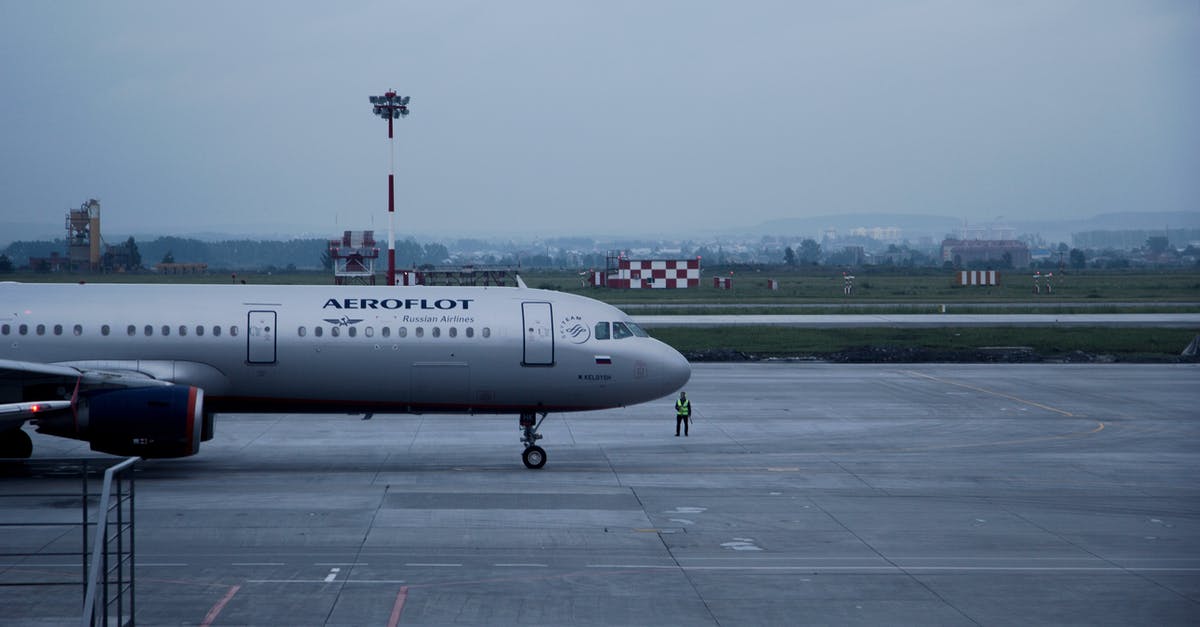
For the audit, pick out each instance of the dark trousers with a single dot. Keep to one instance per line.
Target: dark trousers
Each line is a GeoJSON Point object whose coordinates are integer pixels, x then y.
{"type": "Point", "coordinates": [681, 419]}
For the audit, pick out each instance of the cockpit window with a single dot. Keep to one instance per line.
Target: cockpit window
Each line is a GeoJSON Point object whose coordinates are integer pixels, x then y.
{"type": "Point", "coordinates": [601, 331]}
{"type": "Point", "coordinates": [638, 331]}
{"type": "Point", "coordinates": [621, 331]}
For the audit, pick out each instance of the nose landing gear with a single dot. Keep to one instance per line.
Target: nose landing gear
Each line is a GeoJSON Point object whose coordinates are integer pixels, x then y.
{"type": "Point", "coordinates": [534, 456]}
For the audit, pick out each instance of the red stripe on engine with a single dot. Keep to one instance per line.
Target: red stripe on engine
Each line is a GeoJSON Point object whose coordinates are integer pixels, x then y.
{"type": "Point", "coordinates": [191, 420]}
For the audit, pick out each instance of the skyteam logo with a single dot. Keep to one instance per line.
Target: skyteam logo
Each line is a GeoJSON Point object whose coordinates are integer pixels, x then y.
{"type": "Point", "coordinates": [343, 321]}
{"type": "Point", "coordinates": [572, 329]}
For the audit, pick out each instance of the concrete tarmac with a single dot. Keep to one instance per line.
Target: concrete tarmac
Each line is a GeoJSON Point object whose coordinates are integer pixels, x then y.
{"type": "Point", "coordinates": [804, 494]}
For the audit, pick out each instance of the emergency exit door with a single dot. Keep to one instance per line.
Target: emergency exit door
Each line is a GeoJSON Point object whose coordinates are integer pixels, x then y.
{"type": "Point", "coordinates": [260, 337]}
{"type": "Point", "coordinates": [539, 334]}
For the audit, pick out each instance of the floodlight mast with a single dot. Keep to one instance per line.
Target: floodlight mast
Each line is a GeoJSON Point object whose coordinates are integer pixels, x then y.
{"type": "Point", "coordinates": [391, 107]}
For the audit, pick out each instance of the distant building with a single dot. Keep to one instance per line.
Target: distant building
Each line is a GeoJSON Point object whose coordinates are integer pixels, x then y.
{"type": "Point", "coordinates": [54, 263]}
{"type": "Point", "coordinates": [987, 232]}
{"type": "Point", "coordinates": [966, 252]}
{"type": "Point", "coordinates": [879, 233]}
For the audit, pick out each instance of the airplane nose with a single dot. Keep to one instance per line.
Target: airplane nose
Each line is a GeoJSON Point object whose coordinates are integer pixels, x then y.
{"type": "Point", "coordinates": [676, 369]}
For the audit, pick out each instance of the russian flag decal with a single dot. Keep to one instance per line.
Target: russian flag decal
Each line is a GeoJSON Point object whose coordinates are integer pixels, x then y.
{"type": "Point", "coordinates": [603, 360]}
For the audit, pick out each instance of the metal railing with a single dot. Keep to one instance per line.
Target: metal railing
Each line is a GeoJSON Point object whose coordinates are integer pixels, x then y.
{"type": "Point", "coordinates": [111, 572]}
{"type": "Point", "coordinates": [37, 525]}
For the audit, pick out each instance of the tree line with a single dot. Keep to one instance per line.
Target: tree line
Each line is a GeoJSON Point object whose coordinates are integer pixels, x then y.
{"type": "Point", "coordinates": [247, 254]}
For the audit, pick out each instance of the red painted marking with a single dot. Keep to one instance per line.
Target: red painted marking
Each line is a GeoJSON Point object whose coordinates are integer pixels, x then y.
{"type": "Point", "coordinates": [216, 609]}
{"type": "Point", "coordinates": [398, 608]}
{"type": "Point", "coordinates": [191, 420]}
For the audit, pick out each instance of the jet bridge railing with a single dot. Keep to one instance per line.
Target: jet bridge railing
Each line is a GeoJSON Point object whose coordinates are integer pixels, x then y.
{"type": "Point", "coordinates": [46, 524]}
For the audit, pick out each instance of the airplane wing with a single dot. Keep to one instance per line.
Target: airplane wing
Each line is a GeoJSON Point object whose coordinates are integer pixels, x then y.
{"type": "Point", "coordinates": [29, 389]}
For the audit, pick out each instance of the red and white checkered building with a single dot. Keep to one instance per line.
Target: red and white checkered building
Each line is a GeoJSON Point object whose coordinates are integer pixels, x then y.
{"type": "Point", "coordinates": [650, 274]}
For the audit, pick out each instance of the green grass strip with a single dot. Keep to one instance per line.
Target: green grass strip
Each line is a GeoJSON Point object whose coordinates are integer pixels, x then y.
{"type": "Point", "coordinates": [1131, 343]}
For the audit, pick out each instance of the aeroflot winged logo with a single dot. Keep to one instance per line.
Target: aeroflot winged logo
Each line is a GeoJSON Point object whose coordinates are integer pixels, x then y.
{"type": "Point", "coordinates": [461, 304]}
{"type": "Point", "coordinates": [343, 321]}
{"type": "Point", "coordinates": [573, 330]}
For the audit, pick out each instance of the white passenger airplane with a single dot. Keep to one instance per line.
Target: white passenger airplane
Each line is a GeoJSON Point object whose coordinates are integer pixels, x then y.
{"type": "Point", "coordinates": [141, 369]}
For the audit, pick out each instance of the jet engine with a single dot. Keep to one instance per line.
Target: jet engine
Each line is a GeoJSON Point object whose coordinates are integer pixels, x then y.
{"type": "Point", "coordinates": [164, 421]}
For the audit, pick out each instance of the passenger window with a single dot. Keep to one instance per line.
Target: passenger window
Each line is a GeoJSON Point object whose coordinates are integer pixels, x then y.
{"type": "Point", "coordinates": [620, 331]}
{"type": "Point", "coordinates": [318, 331]}
{"type": "Point", "coordinates": [57, 329]}
{"type": "Point", "coordinates": [352, 331]}
{"type": "Point", "coordinates": [470, 331]}
{"type": "Point", "coordinates": [131, 330]}
{"type": "Point", "coordinates": [41, 329]}
{"type": "Point", "coordinates": [601, 331]}
{"type": "Point", "coordinates": [78, 330]}
{"type": "Point", "coordinates": [302, 332]}
{"type": "Point", "coordinates": [335, 331]}
{"type": "Point", "coordinates": [453, 331]}
{"type": "Point", "coordinates": [166, 330]}
{"type": "Point", "coordinates": [4, 329]}
{"type": "Point", "coordinates": [182, 330]}
{"type": "Point", "coordinates": [437, 331]}
{"type": "Point", "coordinates": [23, 329]}
{"type": "Point", "coordinates": [487, 332]}
{"type": "Point", "coordinates": [148, 331]}
{"type": "Point", "coordinates": [402, 331]}
{"type": "Point", "coordinates": [369, 331]}
{"type": "Point", "coordinates": [386, 331]}
{"type": "Point", "coordinates": [420, 331]}
{"type": "Point", "coordinates": [233, 330]}
{"type": "Point", "coordinates": [199, 330]}
{"type": "Point", "coordinates": [103, 330]}
{"type": "Point", "coordinates": [217, 331]}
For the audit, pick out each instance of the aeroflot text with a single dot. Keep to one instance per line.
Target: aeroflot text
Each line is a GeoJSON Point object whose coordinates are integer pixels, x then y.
{"type": "Point", "coordinates": [398, 303]}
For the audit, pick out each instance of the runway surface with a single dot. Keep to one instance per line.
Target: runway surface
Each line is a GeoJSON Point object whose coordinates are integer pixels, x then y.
{"type": "Point", "coordinates": [928, 321]}
{"type": "Point", "coordinates": [805, 494]}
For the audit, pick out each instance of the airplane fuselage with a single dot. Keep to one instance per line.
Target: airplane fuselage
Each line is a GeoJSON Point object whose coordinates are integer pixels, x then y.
{"type": "Point", "coordinates": [347, 349]}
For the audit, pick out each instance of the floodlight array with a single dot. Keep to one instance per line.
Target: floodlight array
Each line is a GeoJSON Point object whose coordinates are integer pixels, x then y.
{"type": "Point", "coordinates": [390, 105]}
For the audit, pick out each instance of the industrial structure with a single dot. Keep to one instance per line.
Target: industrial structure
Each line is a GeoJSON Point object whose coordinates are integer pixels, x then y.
{"type": "Point", "coordinates": [623, 273]}
{"type": "Point", "coordinates": [354, 257]}
{"type": "Point", "coordinates": [471, 275]}
{"type": "Point", "coordinates": [83, 237]}
{"type": "Point", "coordinates": [86, 250]}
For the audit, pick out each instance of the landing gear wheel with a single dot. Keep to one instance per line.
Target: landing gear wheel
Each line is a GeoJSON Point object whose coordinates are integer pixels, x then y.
{"type": "Point", "coordinates": [17, 444]}
{"type": "Point", "coordinates": [534, 457]}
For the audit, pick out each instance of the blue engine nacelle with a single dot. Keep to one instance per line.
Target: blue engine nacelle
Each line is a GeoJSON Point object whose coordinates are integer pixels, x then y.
{"type": "Point", "coordinates": [148, 422]}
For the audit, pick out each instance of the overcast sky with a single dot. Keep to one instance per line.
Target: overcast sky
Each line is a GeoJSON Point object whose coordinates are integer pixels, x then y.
{"type": "Point", "coordinates": [561, 117]}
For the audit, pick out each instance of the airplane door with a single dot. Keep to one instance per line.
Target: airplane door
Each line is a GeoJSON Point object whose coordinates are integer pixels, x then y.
{"type": "Point", "coordinates": [260, 337]}
{"type": "Point", "coordinates": [539, 336]}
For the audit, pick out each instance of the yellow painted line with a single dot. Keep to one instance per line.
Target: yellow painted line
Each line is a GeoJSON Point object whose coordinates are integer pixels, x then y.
{"type": "Point", "coordinates": [992, 392]}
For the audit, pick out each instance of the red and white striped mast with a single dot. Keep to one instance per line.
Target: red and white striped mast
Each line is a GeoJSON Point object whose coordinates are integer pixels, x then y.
{"type": "Point", "coordinates": [391, 107]}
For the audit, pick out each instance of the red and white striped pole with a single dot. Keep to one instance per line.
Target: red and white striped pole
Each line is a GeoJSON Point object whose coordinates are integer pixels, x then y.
{"type": "Point", "coordinates": [391, 106]}
{"type": "Point", "coordinates": [391, 273]}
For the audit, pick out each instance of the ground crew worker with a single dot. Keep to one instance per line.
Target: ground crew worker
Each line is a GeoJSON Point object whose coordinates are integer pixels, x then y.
{"type": "Point", "coordinates": [683, 413]}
